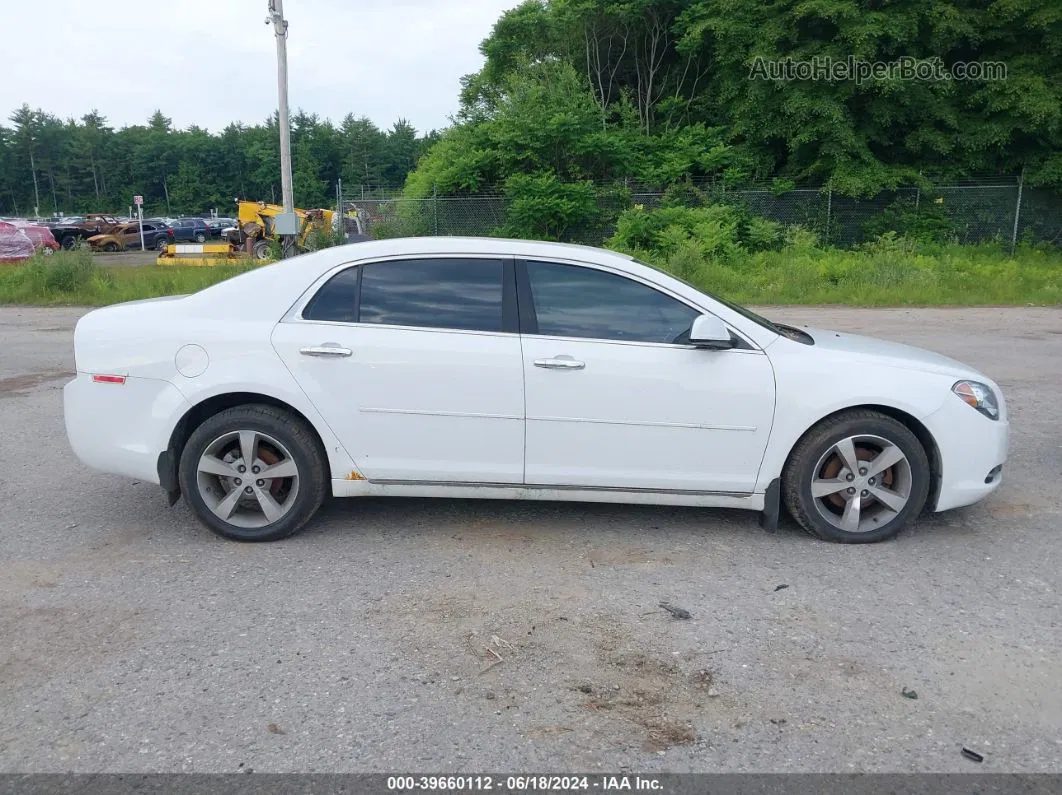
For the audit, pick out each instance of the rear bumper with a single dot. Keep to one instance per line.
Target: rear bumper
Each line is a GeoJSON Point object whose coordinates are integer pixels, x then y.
{"type": "Point", "coordinates": [121, 428]}
{"type": "Point", "coordinates": [973, 448]}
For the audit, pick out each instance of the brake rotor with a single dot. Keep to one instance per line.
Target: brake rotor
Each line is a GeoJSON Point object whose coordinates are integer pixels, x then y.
{"type": "Point", "coordinates": [269, 457]}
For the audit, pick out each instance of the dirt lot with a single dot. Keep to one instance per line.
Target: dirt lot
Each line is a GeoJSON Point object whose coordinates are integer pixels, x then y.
{"type": "Point", "coordinates": [434, 635]}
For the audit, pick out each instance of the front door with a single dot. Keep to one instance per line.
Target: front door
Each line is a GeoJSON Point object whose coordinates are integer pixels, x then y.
{"type": "Point", "coordinates": [616, 399]}
{"type": "Point", "coordinates": [415, 365]}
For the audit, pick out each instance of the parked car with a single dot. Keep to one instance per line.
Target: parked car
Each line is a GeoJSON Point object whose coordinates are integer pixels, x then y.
{"type": "Point", "coordinates": [157, 235]}
{"type": "Point", "coordinates": [218, 225]}
{"type": "Point", "coordinates": [69, 235]}
{"type": "Point", "coordinates": [72, 230]}
{"type": "Point", "coordinates": [41, 236]}
{"type": "Point", "coordinates": [190, 229]}
{"type": "Point", "coordinates": [20, 240]}
{"type": "Point", "coordinates": [462, 367]}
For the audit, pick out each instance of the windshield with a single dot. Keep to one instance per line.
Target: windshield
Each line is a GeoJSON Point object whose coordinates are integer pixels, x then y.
{"type": "Point", "coordinates": [741, 310]}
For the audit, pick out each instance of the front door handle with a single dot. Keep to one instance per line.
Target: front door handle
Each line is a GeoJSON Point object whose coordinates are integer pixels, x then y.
{"type": "Point", "coordinates": [560, 363]}
{"type": "Point", "coordinates": [328, 349]}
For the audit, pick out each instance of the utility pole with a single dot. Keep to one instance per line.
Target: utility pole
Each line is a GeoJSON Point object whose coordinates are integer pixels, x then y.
{"type": "Point", "coordinates": [280, 28]}
{"type": "Point", "coordinates": [36, 193]}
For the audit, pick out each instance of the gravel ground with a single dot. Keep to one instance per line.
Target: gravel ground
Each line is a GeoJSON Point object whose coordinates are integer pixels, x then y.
{"type": "Point", "coordinates": [432, 635]}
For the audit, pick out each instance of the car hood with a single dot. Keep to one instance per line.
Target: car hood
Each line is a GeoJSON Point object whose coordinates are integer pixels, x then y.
{"type": "Point", "coordinates": [889, 354]}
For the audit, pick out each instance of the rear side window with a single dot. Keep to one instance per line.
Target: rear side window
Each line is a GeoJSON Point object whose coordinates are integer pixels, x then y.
{"type": "Point", "coordinates": [461, 294]}
{"type": "Point", "coordinates": [336, 301]}
{"type": "Point", "coordinates": [464, 294]}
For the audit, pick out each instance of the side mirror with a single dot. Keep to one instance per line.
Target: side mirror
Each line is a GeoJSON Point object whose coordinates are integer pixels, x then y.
{"type": "Point", "coordinates": [710, 332]}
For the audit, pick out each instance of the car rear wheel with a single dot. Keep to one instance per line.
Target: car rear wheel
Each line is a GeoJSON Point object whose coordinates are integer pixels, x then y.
{"type": "Point", "coordinates": [200, 237]}
{"type": "Point", "coordinates": [254, 473]}
{"type": "Point", "coordinates": [69, 242]}
{"type": "Point", "coordinates": [856, 478]}
{"type": "Point", "coordinates": [161, 243]}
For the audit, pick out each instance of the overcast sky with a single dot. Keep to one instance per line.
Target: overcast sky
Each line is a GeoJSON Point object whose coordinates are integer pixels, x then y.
{"type": "Point", "coordinates": [209, 62]}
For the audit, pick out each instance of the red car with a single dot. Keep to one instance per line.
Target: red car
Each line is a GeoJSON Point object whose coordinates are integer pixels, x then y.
{"type": "Point", "coordinates": [19, 241]}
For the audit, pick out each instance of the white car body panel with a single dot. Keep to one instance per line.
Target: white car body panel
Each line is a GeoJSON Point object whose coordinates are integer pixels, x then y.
{"type": "Point", "coordinates": [643, 415]}
{"type": "Point", "coordinates": [114, 341]}
{"type": "Point", "coordinates": [416, 404]}
{"type": "Point", "coordinates": [144, 412]}
{"type": "Point", "coordinates": [444, 413]}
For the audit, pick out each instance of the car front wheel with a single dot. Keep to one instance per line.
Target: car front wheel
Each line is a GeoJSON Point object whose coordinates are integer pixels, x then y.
{"type": "Point", "coordinates": [253, 473]}
{"type": "Point", "coordinates": [856, 478]}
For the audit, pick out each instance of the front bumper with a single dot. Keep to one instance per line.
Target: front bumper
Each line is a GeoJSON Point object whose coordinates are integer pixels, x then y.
{"type": "Point", "coordinates": [122, 428]}
{"type": "Point", "coordinates": [972, 449]}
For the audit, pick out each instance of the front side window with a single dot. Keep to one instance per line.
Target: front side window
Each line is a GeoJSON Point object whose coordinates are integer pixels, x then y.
{"type": "Point", "coordinates": [461, 294]}
{"type": "Point", "coordinates": [575, 301]}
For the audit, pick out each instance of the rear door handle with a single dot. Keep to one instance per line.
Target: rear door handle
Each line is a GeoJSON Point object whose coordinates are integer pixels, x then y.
{"type": "Point", "coordinates": [560, 363]}
{"type": "Point", "coordinates": [328, 349]}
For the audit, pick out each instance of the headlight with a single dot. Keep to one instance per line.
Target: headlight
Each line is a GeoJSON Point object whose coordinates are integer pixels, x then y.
{"type": "Point", "coordinates": [978, 395]}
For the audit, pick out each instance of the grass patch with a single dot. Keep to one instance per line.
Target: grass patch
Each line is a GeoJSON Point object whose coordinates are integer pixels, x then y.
{"type": "Point", "coordinates": [889, 272]}
{"type": "Point", "coordinates": [73, 277]}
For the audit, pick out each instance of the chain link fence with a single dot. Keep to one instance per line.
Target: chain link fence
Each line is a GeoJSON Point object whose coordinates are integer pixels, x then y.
{"type": "Point", "coordinates": [1000, 209]}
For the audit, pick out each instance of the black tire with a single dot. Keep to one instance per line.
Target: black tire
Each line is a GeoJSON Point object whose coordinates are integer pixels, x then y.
{"type": "Point", "coordinates": [800, 471]}
{"type": "Point", "coordinates": [68, 243]}
{"type": "Point", "coordinates": [260, 250]}
{"type": "Point", "coordinates": [110, 247]}
{"type": "Point", "coordinates": [161, 243]}
{"type": "Point", "coordinates": [301, 442]}
{"type": "Point", "coordinates": [200, 237]}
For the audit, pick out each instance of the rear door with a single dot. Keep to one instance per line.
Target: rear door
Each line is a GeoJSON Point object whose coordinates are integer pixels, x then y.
{"type": "Point", "coordinates": [415, 364]}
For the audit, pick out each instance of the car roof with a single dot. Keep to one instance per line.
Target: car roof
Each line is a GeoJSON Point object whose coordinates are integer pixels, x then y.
{"type": "Point", "coordinates": [285, 280]}
{"type": "Point", "coordinates": [506, 247]}
{"type": "Point", "coordinates": [271, 290]}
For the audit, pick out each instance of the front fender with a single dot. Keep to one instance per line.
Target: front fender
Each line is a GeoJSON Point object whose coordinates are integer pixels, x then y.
{"type": "Point", "coordinates": [808, 395]}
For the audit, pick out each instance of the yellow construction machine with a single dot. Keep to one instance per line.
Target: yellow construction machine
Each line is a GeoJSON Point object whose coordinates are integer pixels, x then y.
{"type": "Point", "coordinates": [256, 227]}
{"type": "Point", "coordinates": [255, 232]}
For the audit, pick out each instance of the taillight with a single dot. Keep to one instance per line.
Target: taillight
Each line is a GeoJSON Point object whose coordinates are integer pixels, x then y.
{"type": "Point", "coordinates": [108, 379]}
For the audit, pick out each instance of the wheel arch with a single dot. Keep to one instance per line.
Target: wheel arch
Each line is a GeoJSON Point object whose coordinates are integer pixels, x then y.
{"type": "Point", "coordinates": [203, 410]}
{"type": "Point", "coordinates": [912, 423]}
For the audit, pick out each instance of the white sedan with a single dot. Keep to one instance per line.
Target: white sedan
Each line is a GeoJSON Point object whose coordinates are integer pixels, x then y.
{"type": "Point", "coordinates": [454, 367]}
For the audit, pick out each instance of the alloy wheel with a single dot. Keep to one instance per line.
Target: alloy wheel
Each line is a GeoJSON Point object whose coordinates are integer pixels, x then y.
{"type": "Point", "coordinates": [861, 483]}
{"type": "Point", "coordinates": [247, 478]}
